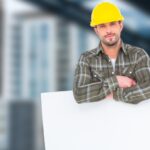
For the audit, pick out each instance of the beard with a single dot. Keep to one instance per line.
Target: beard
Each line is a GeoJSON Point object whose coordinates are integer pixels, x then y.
{"type": "Point", "coordinates": [110, 40]}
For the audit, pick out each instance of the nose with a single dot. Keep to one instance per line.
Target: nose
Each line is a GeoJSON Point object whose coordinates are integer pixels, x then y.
{"type": "Point", "coordinates": [108, 29]}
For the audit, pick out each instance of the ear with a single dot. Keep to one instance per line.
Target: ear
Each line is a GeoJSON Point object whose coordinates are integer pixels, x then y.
{"type": "Point", "coordinates": [121, 25]}
{"type": "Point", "coordinates": [95, 29]}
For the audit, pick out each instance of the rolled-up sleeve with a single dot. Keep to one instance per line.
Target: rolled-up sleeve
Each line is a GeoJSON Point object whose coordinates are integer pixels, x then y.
{"type": "Point", "coordinates": [141, 91]}
{"type": "Point", "coordinates": [84, 89]}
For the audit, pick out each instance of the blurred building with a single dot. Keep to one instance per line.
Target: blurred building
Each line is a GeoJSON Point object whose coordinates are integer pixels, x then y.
{"type": "Point", "coordinates": [44, 51]}
{"type": "Point", "coordinates": [1, 42]}
{"type": "Point", "coordinates": [4, 123]}
{"type": "Point", "coordinates": [22, 126]}
{"type": "Point", "coordinates": [41, 49]}
{"type": "Point", "coordinates": [41, 53]}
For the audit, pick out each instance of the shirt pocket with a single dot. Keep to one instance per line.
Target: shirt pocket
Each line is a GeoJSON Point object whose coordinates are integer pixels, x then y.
{"type": "Point", "coordinates": [97, 75]}
{"type": "Point", "coordinates": [129, 71]}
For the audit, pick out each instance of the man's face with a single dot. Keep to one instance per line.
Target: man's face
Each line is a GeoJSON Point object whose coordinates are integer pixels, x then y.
{"type": "Point", "coordinates": [109, 33]}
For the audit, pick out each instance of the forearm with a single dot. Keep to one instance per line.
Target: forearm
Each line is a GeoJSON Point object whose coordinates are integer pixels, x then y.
{"type": "Point", "coordinates": [134, 94]}
{"type": "Point", "coordinates": [95, 91]}
{"type": "Point", "coordinates": [90, 85]}
{"type": "Point", "coordinates": [141, 91]}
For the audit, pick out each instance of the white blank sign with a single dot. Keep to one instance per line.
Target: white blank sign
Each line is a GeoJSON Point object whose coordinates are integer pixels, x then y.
{"type": "Point", "coordinates": [103, 125]}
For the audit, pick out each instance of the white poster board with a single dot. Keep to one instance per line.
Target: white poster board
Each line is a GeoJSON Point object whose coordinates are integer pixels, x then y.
{"type": "Point", "coordinates": [103, 125]}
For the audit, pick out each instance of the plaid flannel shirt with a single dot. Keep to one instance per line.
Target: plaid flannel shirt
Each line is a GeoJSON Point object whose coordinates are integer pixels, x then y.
{"type": "Point", "coordinates": [95, 79]}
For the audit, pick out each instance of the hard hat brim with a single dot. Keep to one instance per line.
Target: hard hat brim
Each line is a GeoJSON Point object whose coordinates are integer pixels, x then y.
{"type": "Point", "coordinates": [95, 23]}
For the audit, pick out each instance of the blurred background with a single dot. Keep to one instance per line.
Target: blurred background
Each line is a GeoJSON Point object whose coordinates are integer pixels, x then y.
{"type": "Point", "coordinates": [40, 44]}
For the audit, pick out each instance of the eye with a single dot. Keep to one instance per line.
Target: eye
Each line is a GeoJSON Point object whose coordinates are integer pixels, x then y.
{"type": "Point", "coordinates": [112, 23]}
{"type": "Point", "coordinates": [102, 26]}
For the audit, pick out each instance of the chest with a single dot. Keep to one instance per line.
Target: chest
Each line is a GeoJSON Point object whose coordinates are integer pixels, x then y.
{"type": "Point", "coordinates": [103, 67]}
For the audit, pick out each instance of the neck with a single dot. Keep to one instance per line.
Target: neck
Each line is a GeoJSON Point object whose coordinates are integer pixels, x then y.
{"type": "Point", "coordinates": [112, 51]}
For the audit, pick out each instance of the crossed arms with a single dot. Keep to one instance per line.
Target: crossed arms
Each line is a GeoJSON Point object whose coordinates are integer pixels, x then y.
{"type": "Point", "coordinates": [121, 88]}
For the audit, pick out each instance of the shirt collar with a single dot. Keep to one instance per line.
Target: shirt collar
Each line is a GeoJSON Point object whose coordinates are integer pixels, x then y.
{"type": "Point", "coordinates": [100, 49]}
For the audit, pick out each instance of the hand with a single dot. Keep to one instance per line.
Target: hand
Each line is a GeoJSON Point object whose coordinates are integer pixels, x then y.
{"type": "Point", "coordinates": [125, 82]}
{"type": "Point", "coordinates": [110, 96]}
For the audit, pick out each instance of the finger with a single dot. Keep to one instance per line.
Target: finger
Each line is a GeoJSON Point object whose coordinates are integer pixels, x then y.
{"type": "Point", "coordinates": [133, 83]}
{"type": "Point", "coordinates": [128, 85]}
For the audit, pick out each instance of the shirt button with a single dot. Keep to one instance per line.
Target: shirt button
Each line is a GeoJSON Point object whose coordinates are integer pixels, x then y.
{"type": "Point", "coordinates": [95, 75]}
{"type": "Point", "coordinates": [130, 72]}
{"type": "Point", "coordinates": [113, 73]}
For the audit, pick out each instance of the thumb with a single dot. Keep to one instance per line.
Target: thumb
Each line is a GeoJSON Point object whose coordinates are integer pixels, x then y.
{"type": "Point", "coordinates": [133, 82]}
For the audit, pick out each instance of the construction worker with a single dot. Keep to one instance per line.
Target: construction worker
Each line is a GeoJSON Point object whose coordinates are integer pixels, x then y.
{"type": "Point", "coordinates": [114, 69]}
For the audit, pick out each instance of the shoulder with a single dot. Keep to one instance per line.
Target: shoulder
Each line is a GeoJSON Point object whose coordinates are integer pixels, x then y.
{"type": "Point", "coordinates": [89, 54]}
{"type": "Point", "coordinates": [135, 50]}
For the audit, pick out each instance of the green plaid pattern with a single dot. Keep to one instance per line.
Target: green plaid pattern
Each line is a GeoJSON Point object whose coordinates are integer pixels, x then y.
{"type": "Point", "coordinates": [94, 76]}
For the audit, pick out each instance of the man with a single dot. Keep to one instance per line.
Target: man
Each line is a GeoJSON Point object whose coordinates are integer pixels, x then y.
{"type": "Point", "coordinates": [113, 69]}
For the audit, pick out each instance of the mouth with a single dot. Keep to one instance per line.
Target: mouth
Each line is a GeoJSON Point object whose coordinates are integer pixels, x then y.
{"type": "Point", "coordinates": [109, 36]}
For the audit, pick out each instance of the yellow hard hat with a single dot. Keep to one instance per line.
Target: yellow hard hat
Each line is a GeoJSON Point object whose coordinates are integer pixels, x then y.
{"type": "Point", "coordinates": [105, 12]}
